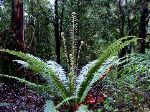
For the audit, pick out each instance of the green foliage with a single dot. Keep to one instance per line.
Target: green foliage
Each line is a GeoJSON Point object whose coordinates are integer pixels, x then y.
{"type": "Point", "coordinates": [83, 108]}
{"type": "Point", "coordinates": [49, 106]}
{"type": "Point", "coordinates": [5, 104]}
{"type": "Point", "coordinates": [53, 81]}
{"type": "Point", "coordinates": [66, 101]}
{"type": "Point", "coordinates": [99, 22]}
{"type": "Point", "coordinates": [39, 88]}
{"type": "Point", "coordinates": [133, 86]}
{"type": "Point", "coordinates": [110, 51]}
{"type": "Point", "coordinates": [4, 18]}
{"type": "Point", "coordinates": [38, 66]}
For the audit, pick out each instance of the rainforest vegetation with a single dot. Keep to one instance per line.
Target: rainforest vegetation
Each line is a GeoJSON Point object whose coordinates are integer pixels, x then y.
{"type": "Point", "coordinates": [74, 56]}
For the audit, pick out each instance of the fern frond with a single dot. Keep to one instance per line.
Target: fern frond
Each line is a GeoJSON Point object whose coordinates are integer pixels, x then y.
{"type": "Point", "coordinates": [137, 62]}
{"type": "Point", "coordinates": [42, 68]}
{"type": "Point", "coordinates": [66, 100]}
{"type": "Point", "coordinates": [84, 72]}
{"type": "Point", "coordinates": [23, 63]}
{"type": "Point", "coordinates": [110, 51]}
{"type": "Point", "coordinates": [39, 88]}
{"type": "Point", "coordinates": [100, 73]}
{"type": "Point", "coordinates": [6, 104]}
{"type": "Point", "coordinates": [108, 63]}
{"type": "Point", "coordinates": [49, 106]}
{"type": "Point", "coordinates": [83, 108]}
{"type": "Point", "coordinates": [59, 71]}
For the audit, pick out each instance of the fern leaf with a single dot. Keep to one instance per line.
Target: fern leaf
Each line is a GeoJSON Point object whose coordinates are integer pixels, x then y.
{"type": "Point", "coordinates": [49, 106]}
{"type": "Point", "coordinates": [83, 108]}
{"type": "Point", "coordinates": [110, 51]}
{"type": "Point", "coordinates": [40, 88]}
{"type": "Point", "coordinates": [108, 63]}
{"type": "Point", "coordinates": [66, 100]}
{"type": "Point", "coordinates": [6, 104]}
{"type": "Point", "coordinates": [59, 71]}
{"type": "Point", "coordinates": [23, 63]}
{"type": "Point", "coordinates": [84, 72]}
{"type": "Point", "coordinates": [96, 76]}
{"type": "Point", "coordinates": [42, 68]}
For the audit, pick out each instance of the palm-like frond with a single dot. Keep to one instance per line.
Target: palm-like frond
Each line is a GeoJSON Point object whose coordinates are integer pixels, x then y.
{"type": "Point", "coordinates": [108, 63]}
{"type": "Point", "coordinates": [83, 108]}
{"type": "Point", "coordinates": [56, 68]}
{"type": "Point", "coordinates": [59, 71]}
{"type": "Point", "coordinates": [49, 106]}
{"type": "Point", "coordinates": [42, 68]}
{"type": "Point", "coordinates": [44, 89]}
{"type": "Point", "coordinates": [101, 71]}
{"type": "Point", "coordinates": [110, 51]}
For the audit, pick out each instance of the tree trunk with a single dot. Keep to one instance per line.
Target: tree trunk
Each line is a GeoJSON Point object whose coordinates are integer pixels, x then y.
{"type": "Point", "coordinates": [17, 23]}
{"type": "Point", "coordinates": [122, 53]}
{"type": "Point", "coordinates": [15, 40]}
{"type": "Point", "coordinates": [57, 35]}
{"type": "Point", "coordinates": [142, 28]}
{"type": "Point", "coordinates": [61, 19]}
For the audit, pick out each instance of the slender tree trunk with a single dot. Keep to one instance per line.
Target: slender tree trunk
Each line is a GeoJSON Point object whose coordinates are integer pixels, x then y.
{"type": "Point", "coordinates": [122, 53]}
{"type": "Point", "coordinates": [31, 45]}
{"type": "Point", "coordinates": [142, 28]}
{"type": "Point", "coordinates": [130, 32]}
{"type": "Point", "coordinates": [17, 23]}
{"type": "Point", "coordinates": [61, 19]}
{"type": "Point", "coordinates": [57, 35]}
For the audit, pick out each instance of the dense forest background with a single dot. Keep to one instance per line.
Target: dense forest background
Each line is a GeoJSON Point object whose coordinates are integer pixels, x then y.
{"type": "Point", "coordinates": [78, 29]}
{"type": "Point", "coordinates": [97, 23]}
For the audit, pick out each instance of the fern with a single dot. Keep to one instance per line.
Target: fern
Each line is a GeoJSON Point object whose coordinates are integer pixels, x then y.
{"type": "Point", "coordinates": [39, 88]}
{"type": "Point", "coordinates": [49, 106]}
{"type": "Point", "coordinates": [110, 51]}
{"type": "Point", "coordinates": [83, 108]}
{"type": "Point", "coordinates": [66, 100]}
{"type": "Point", "coordinates": [96, 76]}
{"type": "Point", "coordinates": [108, 63]}
{"type": "Point", "coordinates": [40, 67]}
{"type": "Point", "coordinates": [5, 104]}
{"type": "Point", "coordinates": [59, 71]}
{"type": "Point", "coordinates": [57, 82]}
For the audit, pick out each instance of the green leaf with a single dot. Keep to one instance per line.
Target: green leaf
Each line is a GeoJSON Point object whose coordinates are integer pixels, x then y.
{"type": "Point", "coordinates": [49, 106]}
{"type": "Point", "coordinates": [83, 108]}
{"type": "Point", "coordinates": [36, 87]}
{"type": "Point", "coordinates": [66, 100]}
{"type": "Point", "coordinates": [110, 51]}
{"type": "Point", "coordinates": [40, 67]}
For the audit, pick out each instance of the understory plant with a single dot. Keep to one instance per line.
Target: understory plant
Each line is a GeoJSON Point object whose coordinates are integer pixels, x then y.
{"type": "Point", "coordinates": [71, 89]}
{"type": "Point", "coordinates": [131, 91]}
